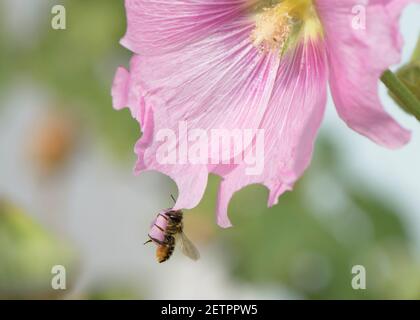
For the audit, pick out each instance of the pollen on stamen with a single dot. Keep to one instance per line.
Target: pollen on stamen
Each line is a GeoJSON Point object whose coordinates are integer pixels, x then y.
{"type": "Point", "coordinates": [272, 29]}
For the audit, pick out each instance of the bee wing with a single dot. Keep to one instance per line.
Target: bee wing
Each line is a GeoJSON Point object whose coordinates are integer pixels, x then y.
{"type": "Point", "coordinates": [187, 247]}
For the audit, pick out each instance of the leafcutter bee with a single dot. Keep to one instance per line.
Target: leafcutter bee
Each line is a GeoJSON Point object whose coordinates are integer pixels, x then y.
{"type": "Point", "coordinates": [167, 230]}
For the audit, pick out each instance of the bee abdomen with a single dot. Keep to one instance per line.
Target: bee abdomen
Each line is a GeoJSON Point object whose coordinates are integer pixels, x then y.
{"type": "Point", "coordinates": [164, 252]}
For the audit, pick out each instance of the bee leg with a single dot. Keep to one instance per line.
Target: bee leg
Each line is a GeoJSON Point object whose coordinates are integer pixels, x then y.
{"type": "Point", "coordinates": [155, 240]}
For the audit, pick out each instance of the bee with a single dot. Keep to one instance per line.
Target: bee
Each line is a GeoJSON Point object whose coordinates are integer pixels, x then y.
{"type": "Point", "coordinates": [167, 230]}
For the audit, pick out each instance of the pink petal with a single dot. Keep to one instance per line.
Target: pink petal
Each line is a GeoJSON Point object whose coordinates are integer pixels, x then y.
{"type": "Point", "coordinates": [222, 81]}
{"type": "Point", "coordinates": [291, 124]}
{"type": "Point", "coordinates": [219, 82]}
{"type": "Point", "coordinates": [159, 224]}
{"type": "Point", "coordinates": [126, 93]}
{"type": "Point", "coordinates": [160, 26]}
{"type": "Point", "coordinates": [119, 89]}
{"type": "Point", "coordinates": [357, 59]}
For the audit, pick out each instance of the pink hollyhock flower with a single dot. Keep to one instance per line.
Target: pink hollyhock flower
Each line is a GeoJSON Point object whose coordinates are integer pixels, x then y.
{"type": "Point", "coordinates": [255, 64]}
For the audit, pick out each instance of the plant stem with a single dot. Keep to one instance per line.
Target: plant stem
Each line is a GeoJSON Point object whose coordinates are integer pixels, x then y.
{"type": "Point", "coordinates": [402, 93]}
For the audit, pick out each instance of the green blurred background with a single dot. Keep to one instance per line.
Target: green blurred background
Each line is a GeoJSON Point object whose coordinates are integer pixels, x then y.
{"type": "Point", "coordinates": [68, 196]}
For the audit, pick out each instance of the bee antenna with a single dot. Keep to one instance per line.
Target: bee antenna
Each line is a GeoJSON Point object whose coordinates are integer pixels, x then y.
{"type": "Point", "coordinates": [147, 242]}
{"type": "Point", "coordinates": [173, 198]}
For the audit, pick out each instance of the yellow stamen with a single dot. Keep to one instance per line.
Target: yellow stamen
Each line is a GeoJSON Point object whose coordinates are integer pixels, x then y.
{"type": "Point", "coordinates": [279, 24]}
{"type": "Point", "coordinates": [272, 29]}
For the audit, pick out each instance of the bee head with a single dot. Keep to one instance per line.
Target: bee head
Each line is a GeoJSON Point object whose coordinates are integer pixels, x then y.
{"type": "Point", "coordinates": [174, 215]}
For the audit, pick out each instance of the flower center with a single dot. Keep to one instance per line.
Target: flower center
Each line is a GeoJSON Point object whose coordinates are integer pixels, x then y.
{"type": "Point", "coordinates": [280, 24]}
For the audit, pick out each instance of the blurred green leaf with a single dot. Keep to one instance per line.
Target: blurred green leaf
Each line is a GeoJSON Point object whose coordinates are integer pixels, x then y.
{"type": "Point", "coordinates": [27, 255]}
{"type": "Point", "coordinates": [78, 64]}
